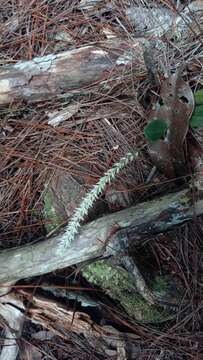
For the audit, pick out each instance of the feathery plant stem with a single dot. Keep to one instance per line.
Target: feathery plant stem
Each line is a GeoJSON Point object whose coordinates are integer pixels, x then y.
{"type": "Point", "coordinates": [92, 195]}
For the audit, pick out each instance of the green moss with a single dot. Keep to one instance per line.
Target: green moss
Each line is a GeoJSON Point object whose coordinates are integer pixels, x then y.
{"type": "Point", "coordinates": [52, 219]}
{"type": "Point", "coordinates": [115, 281]}
{"type": "Point", "coordinates": [159, 284]}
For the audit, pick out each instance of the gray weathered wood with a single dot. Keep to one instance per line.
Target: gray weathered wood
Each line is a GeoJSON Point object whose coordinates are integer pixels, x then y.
{"type": "Point", "coordinates": [55, 74]}
{"type": "Point", "coordinates": [150, 217]}
{"type": "Point", "coordinates": [10, 310]}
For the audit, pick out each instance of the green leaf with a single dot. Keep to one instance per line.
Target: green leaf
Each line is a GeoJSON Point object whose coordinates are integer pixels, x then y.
{"type": "Point", "coordinates": [155, 129]}
{"type": "Point", "coordinates": [197, 117]}
{"type": "Point", "coordinates": [199, 97]}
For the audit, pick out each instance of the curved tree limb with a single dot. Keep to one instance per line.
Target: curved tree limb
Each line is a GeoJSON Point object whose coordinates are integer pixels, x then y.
{"type": "Point", "coordinates": [105, 236]}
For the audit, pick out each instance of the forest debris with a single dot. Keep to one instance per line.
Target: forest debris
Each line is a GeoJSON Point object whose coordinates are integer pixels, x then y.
{"type": "Point", "coordinates": [63, 36]}
{"type": "Point", "coordinates": [130, 291]}
{"type": "Point", "coordinates": [79, 296]}
{"type": "Point", "coordinates": [98, 238]}
{"type": "Point", "coordinates": [160, 154]}
{"type": "Point", "coordinates": [118, 198]}
{"type": "Point", "coordinates": [43, 335]}
{"type": "Point", "coordinates": [85, 115]}
{"type": "Point", "coordinates": [158, 20]}
{"type": "Point", "coordinates": [61, 196]}
{"type": "Point", "coordinates": [54, 74]}
{"type": "Point", "coordinates": [155, 21]}
{"type": "Point", "coordinates": [52, 315]}
{"type": "Point", "coordinates": [62, 40]}
{"type": "Point", "coordinates": [109, 33]}
{"type": "Point", "coordinates": [9, 26]}
{"type": "Point", "coordinates": [56, 319]}
{"type": "Point", "coordinates": [196, 157]}
{"type": "Point", "coordinates": [88, 4]}
{"type": "Point", "coordinates": [174, 109]}
{"type": "Point", "coordinates": [30, 352]}
{"type": "Point", "coordinates": [10, 310]}
{"type": "Point", "coordinates": [56, 117]}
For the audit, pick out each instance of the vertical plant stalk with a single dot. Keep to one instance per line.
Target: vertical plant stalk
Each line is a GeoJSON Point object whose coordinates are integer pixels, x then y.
{"type": "Point", "coordinates": [92, 196]}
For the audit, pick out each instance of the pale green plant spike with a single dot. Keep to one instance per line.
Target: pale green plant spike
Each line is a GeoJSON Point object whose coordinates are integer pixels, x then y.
{"type": "Point", "coordinates": [92, 195]}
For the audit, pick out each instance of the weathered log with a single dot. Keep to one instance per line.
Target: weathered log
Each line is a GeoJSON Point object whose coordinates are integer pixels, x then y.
{"type": "Point", "coordinates": [54, 74]}
{"type": "Point", "coordinates": [99, 237]}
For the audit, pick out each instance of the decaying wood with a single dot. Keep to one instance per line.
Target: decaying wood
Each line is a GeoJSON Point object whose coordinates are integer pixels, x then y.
{"type": "Point", "coordinates": [48, 76]}
{"type": "Point", "coordinates": [61, 321]}
{"type": "Point", "coordinates": [55, 74]}
{"type": "Point", "coordinates": [53, 315]}
{"type": "Point", "coordinates": [149, 21]}
{"type": "Point", "coordinates": [10, 310]}
{"type": "Point", "coordinates": [99, 237]}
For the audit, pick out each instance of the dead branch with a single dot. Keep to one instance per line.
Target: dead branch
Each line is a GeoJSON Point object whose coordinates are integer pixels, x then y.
{"type": "Point", "coordinates": [48, 76]}
{"type": "Point", "coordinates": [107, 235]}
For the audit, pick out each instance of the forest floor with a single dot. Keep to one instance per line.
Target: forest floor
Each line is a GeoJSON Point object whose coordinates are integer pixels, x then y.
{"type": "Point", "coordinates": [82, 136]}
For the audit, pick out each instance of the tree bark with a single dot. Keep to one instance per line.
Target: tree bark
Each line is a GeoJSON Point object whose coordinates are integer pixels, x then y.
{"type": "Point", "coordinates": [107, 235]}
{"type": "Point", "coordinates": [48, 76]}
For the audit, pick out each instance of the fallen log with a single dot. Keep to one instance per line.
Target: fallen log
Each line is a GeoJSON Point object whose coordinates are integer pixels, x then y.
{"type": "Point", "coordinates": [106, 235]}
{"type": "Point", "coordinates": [54, 74]}
{"type": "Point", "coordinates": [48, 76]}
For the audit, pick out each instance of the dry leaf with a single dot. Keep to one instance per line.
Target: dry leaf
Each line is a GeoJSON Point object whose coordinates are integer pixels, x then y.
{"type": "Point", "coordinates": [160, 155]}
{"type": "Point", "coordinates": [175, 107]}
{"type": "Point", "coordinates": [196, 158]}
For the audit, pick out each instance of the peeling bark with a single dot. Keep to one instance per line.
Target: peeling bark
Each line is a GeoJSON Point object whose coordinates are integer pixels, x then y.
{"type": "Point", "coordinates": [48, 76]}
{"type": "Point", "coordinates": [105, 236]}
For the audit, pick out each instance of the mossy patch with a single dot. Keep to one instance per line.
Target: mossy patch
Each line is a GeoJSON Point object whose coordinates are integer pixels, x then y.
{"type": "Point", "coordinates": [115, 281]}
{"type": "Point", "coordinates": [50, 214]}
